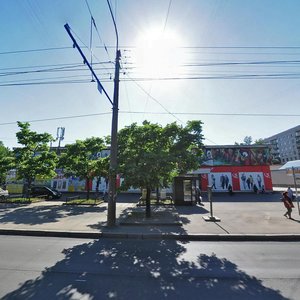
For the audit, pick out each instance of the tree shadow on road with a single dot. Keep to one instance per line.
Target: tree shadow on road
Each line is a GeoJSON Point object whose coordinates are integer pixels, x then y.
{"type": "Point", "coordinates": [137, 269]}
{"type": "Point", "coordinates": [33, 215]}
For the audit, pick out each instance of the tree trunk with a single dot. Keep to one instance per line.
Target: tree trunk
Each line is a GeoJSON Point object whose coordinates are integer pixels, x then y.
{"type": "Point", "coordinates": [97, 187]}
{"type": "Point", "coordinates": [148, 204]}
{"type": "Point", "coordinates": [28, 192]}
{"type": "Point", "coordinates": [88, 188]}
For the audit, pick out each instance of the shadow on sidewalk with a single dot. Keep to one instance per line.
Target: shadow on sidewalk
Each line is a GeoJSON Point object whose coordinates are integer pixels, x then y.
{"type": "Point", "coordinates": [164, 219]}
{"type": "Point", "coordinates": [127, 269]}
{"type": "Point", "coordinates": [244, 197]}
{"type": "Point", "coordinates": [33, 215]}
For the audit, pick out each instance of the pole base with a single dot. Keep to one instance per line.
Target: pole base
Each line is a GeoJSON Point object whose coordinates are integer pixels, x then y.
{"type": "Point", "coordinates": [211, 219]}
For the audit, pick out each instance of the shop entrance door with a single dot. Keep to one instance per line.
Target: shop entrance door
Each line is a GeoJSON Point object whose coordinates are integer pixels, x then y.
{"type": "Point", "coordinates": [187, 190]}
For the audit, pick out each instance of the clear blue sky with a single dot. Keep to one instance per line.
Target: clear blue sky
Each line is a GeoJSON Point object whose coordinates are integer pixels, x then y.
{"type": "Point", "coordinates": [181, 60]}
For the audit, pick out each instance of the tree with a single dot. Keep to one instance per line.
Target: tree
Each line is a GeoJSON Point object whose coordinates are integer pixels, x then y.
{"type": "Point", "coordinates": [80, 159]}
{"type": "Point", "coordinates": [247, 140]}
{"type": "Point", "coordinates": [101, 169]}
{"type": "Point", "coordinates": [6, 162]}
{"type": "Point", "coordinates": [34, 159]}
{"type": "Point", "coordinates": [259, 142]}
{"type": "Point", "coordinates": [151, 155]}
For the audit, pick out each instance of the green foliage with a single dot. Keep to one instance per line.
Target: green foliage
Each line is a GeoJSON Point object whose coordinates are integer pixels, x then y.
{"type": "Point", "coordinates": [248, 140]}
{"type": "Point", "coordinates": [6, 162]}
{"type": "Point", "coordinates": [80, 159]}
{"type": "Point", "coordinates": [151, 155]}
{"type": "Point", "coordinates": [101, 167]}
{"type": "Point", "coordinates": [83, 202]}
{"type": "Point", "coordinates": [34, 159]}
{"type": "Point", "coordinates": [21, 200]}
{"type": "Point", "coordinates": [259, 142]}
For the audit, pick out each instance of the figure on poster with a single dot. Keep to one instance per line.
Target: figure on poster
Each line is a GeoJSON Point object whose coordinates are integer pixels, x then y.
{"type": "Point", "coordinates": [226, 156]}
{"type": "Point", "coordinates": [245, 158]}
{"type": "Point", "coordinates": [213, 181]}
{"type": "Point", "coordinates": [237, 159]}
{"type": "Point", "coordinates": [226, 181]}
{"type": "Point", "coordinates": [243, 178]}
{"type": "Point", "coordinates": [222, 181]}
{"type": "Point", "coordinates": [250, 182]}
{"type": "Point", "coordinates": [287, 202]}
{"type": "Point", "coordinates": [259, 180]}
{"type": "Point", "coordinates": [231, 156]}
{"type": "Point", "coordinates": [209, 155]}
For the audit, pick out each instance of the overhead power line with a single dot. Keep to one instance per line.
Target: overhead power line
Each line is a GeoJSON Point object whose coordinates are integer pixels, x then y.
{"type": "Point", "coordinates": [134, 47]}
{"type": "Point", "coordinates": [167, 16]}
{"type": "Point", "coordinates": [159, 113]}
{"type": "Point", "coordinates": [214, 114]}
{"type": "Point", "coordinates": [34, 50]}
{"type": "Point", "coordinates": [154, 99]}
{"type": "Point", "coordinates": [46, 82]}
{"type": "Point", "coordinates": [58, 118]}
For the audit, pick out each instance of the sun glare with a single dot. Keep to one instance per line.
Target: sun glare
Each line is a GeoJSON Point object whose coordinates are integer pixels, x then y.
{"type": "Point", "coordinates": [158, 53]}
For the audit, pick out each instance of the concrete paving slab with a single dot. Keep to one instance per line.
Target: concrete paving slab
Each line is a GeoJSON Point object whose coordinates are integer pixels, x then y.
{"type": "Point", "coordinates": [253, 218]}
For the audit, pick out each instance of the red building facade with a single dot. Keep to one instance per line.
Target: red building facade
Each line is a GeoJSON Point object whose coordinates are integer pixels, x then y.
{"type": "Point", "coordinates": [243, 168]}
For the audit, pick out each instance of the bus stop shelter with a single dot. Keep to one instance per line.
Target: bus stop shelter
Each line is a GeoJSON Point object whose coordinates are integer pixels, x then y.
{"type": "Point", "coordinates": [185, 186]}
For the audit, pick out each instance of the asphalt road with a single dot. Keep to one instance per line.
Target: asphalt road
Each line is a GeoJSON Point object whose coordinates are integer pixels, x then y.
{"type": "Point", "coordinates": [58, 268]}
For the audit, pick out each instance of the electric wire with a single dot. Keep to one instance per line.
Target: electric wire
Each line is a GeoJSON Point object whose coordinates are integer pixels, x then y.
{"type": "Point", "coordinates": [34, 50]}
{"type": "Point", "coordinates": [50, 65]}
{"type": "Point", "coordinates": [182, 47]}
{"type": "Point", "coordinates": [160, 113]}
{"type": "Point", "coordinates": [97, 31]}
{"type": "Point", "coordinates": [58, 118]}
{"type": "Point", "coordinates": [154, 99]}
{"type": "Point", "coordinates": [167, 17]}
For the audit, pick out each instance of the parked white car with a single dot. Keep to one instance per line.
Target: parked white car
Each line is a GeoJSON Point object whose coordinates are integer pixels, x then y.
{"type": "Point", "coordinates": [3, 194]}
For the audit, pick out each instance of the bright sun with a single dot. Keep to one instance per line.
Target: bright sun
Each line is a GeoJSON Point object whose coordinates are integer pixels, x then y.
{"type": "Point", "coordinates": [158, 53]}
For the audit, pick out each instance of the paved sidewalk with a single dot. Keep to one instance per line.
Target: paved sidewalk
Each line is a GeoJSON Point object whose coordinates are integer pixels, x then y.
{"type": "Point", "coordinates": [242, 217]}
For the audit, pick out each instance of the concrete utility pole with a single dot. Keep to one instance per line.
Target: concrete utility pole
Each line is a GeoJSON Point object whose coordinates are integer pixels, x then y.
{"type": "Point", "coordinates": [111, 208]}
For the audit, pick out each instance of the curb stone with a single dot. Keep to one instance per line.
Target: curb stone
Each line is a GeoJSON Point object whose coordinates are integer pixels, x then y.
{"type": "Point", "coordinates": [163, 236]}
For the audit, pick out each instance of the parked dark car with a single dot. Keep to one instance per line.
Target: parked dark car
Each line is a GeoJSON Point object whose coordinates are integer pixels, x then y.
{"type": "Point", "coordinates": [45, 191]}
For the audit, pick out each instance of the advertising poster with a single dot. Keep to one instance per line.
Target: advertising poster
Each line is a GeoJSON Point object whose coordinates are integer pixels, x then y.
{"type": "Point", "coordinates": [248, 181]}
{"type": "Point", "coordinates": [220, 182]}
{"type": "Point", "coordinates": [236, 156]}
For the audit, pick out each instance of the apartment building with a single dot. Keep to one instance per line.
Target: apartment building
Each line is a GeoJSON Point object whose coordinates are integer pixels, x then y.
{"type": "Point", "coordinates": [285, 145]}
